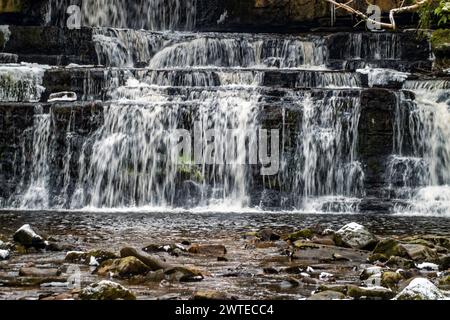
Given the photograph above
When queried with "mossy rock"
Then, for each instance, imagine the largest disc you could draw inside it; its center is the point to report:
(445, 281)
(102, 255)
(370, 293)
(301, 234)
(123, 268)
(183, 274)
(391, 279)
(389, 248)
(84, 257)
(440, 40)
(328, 295)
(106, 290)
(399, 262)
(303, 245)
(10, 6)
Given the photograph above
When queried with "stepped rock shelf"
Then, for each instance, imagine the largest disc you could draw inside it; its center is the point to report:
(340, 100)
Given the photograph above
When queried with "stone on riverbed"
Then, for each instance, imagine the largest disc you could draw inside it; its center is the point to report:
(4, 254)
(356, 236)
(420, 289)
(152, 263)
(37, 272)
(302, 234)
(85, 257)
(123, 268)
(370, 293)
(444, 263)
(183, 274)
(106, 290)
(327, 295)
(268, 235)
(27, 237)
(210, 295)
(391, 279)
(390, 248)
(210, 250)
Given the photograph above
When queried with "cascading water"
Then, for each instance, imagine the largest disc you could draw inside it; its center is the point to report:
(420, 177)
(327, 172)
(136, 14)
(153, 83)
(36, 195)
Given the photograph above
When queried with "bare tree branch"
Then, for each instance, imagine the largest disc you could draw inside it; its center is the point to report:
(392, 13)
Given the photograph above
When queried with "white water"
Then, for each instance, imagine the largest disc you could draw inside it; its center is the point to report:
(36, 194)
(427, 172)
(21, 82)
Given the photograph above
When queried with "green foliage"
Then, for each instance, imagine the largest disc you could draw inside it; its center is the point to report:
(443, 12)
(435, 12)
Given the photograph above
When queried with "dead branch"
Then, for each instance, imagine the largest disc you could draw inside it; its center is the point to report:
(392, 13)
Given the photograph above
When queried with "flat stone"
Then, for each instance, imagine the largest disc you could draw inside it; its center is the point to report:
(328, 295)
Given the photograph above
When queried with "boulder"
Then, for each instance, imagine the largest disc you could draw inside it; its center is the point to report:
(371, 271)
(420, 289)
(268, 235)
(37, 272)
(85, 257)
(4, 254)
(302, 234)
(210, 250)
(152, 263)
(391, 279)
(418, 252)
(106, 290)
(445, 281)
(444, 263)
(370, 293)
(400, 263)
(388, 248)
(183, 274)
(123, 268)
(27, 237)
(327, 295)
(356, 236)
(210, 295)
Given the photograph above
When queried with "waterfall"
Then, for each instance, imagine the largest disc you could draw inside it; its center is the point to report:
(327, 175)
(36, 195)
(425, 169)
(21, 82)
(140, 14)
(129, 161)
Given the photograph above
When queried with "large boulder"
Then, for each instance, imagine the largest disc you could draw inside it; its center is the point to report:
(28, 238)
(390, 248)
(123, 268)
(420, 289)
(356, 236)
(106, 290)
